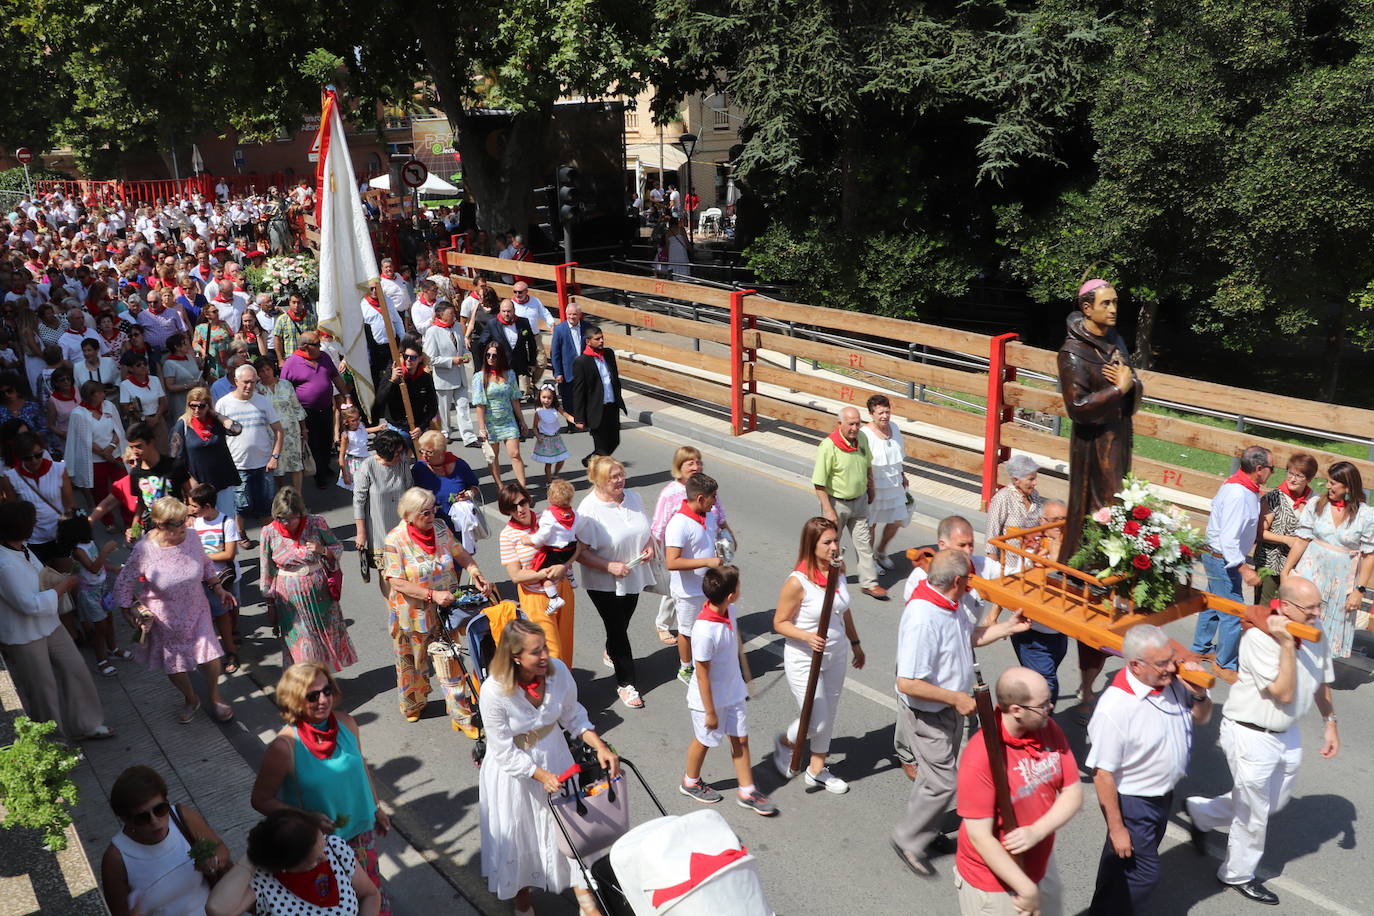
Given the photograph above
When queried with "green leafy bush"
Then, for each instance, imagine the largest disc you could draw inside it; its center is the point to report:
(35, 782)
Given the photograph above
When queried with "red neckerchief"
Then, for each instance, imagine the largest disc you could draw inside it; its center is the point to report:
(43, 469)
(441, 324)
(96, 412)
(450, 461)
(1298, 502)
(531, 689)
(1333, 503)
(687, 510)
(293, 534)
(390, 276)
(375, 303)
(519, 527)
(502, 318)
(142, 349)
(1121, 683)
(111, 337)
(812, 574)
(202, 429)
(220, 297)
(419, 371)
(842, 443)
(711, 614)
(205, 272)
(598, 354)
(177, 356)
(924, 592)
(424, 540)
(142, 384)
(1274, 606)
(316, 886)
(249, 336)
(564, 516)
(1244, 480)
(72, 397)
(319, 741)
(303, 355)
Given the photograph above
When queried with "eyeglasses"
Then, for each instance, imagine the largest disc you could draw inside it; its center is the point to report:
(36, 456)
(424, 512)
(520, 503)
(313, 696)
(1159, 666)
(1043, 708)
(144, 818)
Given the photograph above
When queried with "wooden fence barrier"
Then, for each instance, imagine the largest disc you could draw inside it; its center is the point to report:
(964, 441)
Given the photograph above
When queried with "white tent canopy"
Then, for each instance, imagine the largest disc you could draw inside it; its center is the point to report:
(433, 185)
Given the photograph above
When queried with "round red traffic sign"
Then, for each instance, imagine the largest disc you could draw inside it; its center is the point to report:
(24, 155)
(414, 173)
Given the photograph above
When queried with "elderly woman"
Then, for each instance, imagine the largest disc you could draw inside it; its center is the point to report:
(199, 440)
(443, 473)
(615, 567)
(148, 868)
(518, 557)
(797, 619)
(45, 483)
(298, 550)
(1015, 506)
(377, 487)
(52, 679)
(887, 511)
(315, 765)
(1280, 510)
(527, 703)
(421, 566)
(686, 462)
(95, 443)
(292, 868)
(292, 417)
(500, 421)
(14, 404)
(1334, 549)
(177, 633)
(212, 341)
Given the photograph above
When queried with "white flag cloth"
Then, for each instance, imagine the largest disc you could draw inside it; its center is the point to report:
(347, 262)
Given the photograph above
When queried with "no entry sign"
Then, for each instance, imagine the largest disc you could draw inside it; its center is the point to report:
(414, 173)
(24, 155)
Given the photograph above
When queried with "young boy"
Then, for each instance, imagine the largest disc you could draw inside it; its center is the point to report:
(556, 538)
(689, 543)
(219, 536)
(716, 695)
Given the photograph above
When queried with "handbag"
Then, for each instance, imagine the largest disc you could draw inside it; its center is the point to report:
(307, 460)
(334, 576)
(593, 816)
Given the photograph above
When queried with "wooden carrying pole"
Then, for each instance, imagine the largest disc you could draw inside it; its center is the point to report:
(395, 362)
(991, 727)
(832, 582)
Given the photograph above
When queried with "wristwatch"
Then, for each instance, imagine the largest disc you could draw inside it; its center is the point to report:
(1362, 589)
(1331, 718)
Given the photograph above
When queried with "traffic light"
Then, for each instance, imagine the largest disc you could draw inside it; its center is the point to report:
(569, 198)
(546, 205)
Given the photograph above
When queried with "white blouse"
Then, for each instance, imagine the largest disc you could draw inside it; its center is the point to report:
(84, 433)
(616, 534)
(147, 397)
(26, 611)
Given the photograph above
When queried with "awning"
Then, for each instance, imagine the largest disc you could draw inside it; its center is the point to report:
(648, 155)
(433, 184)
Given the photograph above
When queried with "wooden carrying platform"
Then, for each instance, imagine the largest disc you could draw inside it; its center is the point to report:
(1080, 605)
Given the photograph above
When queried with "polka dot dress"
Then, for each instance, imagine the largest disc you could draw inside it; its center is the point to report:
(275, 900)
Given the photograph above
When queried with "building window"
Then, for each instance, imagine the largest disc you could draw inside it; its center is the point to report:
(720, 112)
(631, 119)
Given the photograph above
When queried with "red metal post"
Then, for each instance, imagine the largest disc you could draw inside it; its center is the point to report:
(737, 358)
(563, 283)
(998, 413)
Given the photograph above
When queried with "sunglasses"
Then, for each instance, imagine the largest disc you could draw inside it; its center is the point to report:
(313, 696)
(521, 502)
(144, 818)
(410, 357)
(197, 405)
(36, 456)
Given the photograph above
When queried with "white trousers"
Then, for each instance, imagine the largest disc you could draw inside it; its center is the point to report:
(451, 400)
(1263, 766)
(666, 619)
(796, 663)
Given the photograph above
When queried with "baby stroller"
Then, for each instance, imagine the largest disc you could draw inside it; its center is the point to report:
(692, 865)
(463, 648)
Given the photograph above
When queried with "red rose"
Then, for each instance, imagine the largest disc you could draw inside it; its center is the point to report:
(1141, 561)
(1131, 529)
(1185, 550)
(1140, 512)
(1152, 540)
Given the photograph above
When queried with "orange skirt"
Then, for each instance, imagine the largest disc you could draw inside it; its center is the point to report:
(558, 626)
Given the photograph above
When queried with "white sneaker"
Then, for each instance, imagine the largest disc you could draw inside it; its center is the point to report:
(883, 561)
(826, 780)
(554, 604)
(782, 757)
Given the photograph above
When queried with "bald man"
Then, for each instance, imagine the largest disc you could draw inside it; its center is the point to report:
(843, 478)
(1277, 683)
(1043, 777)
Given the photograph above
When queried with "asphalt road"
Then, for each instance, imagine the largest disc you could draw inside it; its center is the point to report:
(823, 853)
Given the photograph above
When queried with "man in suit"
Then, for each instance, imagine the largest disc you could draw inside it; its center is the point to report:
(515, 336)
(567, 347)
(596, 401)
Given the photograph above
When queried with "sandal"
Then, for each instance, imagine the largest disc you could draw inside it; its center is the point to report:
(122, 654)
(106, 668)
(97, 733)
(667, 638)
(188, 712)
(231, 663)
(223, 712)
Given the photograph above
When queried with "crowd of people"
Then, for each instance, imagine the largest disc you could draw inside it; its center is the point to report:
(201, 412)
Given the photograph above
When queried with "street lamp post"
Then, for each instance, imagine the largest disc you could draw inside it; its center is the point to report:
(688, 142)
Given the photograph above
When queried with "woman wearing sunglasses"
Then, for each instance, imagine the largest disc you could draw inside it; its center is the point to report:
(147, 868)
(198, 441)
(419, 384)
(315, 765)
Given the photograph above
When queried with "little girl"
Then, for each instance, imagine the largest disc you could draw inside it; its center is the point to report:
(557, 538)
(549, 418)
(353, 443)
(93, 592)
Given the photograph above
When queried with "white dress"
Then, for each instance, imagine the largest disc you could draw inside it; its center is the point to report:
(889, 497)
(519, 837)
(163, 880)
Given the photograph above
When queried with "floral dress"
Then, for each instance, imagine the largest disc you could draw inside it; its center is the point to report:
(291, 413)
(1331, 566)
(296, 581)
(496, 396)
(182, 635)
(1008, 509)
(214, 342)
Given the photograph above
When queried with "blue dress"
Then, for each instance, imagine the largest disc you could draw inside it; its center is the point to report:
(1331, 566)
(496, 398)
(447, 489)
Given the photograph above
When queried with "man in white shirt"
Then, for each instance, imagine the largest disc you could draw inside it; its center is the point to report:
(256, 450)
(529, 307)
(448, 356)
(1231, 531)
(378, 342)
(1278, 683)
(395, 289)
(268, 313)
(422, 309)
(70, 341)
(222, 191)
(1140, 735)
(938, 631)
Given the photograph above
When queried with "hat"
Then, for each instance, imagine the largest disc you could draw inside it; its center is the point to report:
(1022, 466)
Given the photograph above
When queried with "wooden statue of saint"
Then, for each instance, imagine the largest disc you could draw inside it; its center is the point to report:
(1101, 393)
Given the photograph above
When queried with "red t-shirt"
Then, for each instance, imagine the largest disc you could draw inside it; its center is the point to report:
(1038, 767)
